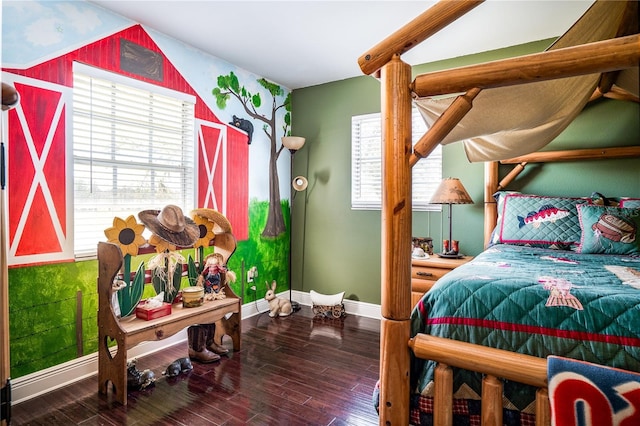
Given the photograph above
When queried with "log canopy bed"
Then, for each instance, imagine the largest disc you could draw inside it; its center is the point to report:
(591, 62)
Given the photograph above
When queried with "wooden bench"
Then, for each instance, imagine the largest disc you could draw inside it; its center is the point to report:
(128, 332)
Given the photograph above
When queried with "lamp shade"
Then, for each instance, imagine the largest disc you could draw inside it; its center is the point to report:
(293, 143)
(300, 183)
(451, 191)
(10, 97)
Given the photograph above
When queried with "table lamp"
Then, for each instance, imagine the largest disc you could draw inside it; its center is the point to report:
(451, 191)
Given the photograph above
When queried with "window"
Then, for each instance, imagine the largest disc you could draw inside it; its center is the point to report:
(366, 165)
(133, 150)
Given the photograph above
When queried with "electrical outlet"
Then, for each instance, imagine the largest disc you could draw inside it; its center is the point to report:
(252, 273)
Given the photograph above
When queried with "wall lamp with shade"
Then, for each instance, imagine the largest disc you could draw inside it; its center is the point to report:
(450, 191)
(299, 183)
(10, 99)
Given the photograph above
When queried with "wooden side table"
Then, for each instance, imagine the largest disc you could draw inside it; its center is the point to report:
(425, 272)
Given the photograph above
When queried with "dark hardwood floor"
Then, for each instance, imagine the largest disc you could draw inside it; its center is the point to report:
(297, 370)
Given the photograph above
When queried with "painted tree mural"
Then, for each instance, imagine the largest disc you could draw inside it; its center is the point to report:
(229, 86)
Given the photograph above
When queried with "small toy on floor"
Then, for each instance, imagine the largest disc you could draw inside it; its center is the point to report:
(278, 306)
(139, 380)
(180, 365)
(327, 305)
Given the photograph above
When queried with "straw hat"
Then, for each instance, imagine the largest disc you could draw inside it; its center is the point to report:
(224, 240)
(225, 244)
(171, 225)
(220, 223)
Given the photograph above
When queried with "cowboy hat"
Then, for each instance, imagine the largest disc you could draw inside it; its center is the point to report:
(220, 223)
(225, 244)
(171, 225)
(224, 240)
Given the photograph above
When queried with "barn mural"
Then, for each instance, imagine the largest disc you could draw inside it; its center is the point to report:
(233, 164)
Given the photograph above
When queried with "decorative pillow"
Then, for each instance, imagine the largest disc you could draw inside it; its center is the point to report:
(600, 200)
(630, 202)
(539, 221)
(499, 197)
(609, 230)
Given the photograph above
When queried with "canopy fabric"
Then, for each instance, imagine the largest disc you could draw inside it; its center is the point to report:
(510, 121)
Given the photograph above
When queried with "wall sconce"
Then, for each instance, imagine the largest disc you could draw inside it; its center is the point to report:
(451, 191)
(10, 97)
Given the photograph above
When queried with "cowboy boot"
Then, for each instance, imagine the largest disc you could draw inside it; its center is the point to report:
(211, 344)
(197, 345)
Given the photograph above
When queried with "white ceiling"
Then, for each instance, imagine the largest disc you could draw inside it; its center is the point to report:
(301, 43)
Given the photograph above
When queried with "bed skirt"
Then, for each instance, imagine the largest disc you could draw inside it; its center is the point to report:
(465, 412)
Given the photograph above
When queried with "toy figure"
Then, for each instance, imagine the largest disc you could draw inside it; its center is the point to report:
(139, 380)
(180, 365)
(213, 276)
(278, 306)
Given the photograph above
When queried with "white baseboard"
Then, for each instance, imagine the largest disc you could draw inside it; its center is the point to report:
(361, 309)
(43, 381)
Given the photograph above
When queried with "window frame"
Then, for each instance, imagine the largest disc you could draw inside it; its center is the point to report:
(420, 203)
(187, 163)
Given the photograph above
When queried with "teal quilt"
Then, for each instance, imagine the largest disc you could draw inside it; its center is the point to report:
(539, 302)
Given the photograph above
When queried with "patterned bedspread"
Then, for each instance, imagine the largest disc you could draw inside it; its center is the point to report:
(539, 302)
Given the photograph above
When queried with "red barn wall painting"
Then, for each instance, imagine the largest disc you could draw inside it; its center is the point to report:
(39, 134)
(38, 202)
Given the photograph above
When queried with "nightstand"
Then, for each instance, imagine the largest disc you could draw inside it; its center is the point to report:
(425, 272)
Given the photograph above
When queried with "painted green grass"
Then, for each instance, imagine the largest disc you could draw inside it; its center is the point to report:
(42, 314)
(43, 299)
(269, 255)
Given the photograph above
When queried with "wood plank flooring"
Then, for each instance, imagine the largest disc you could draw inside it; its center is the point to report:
(297, 370)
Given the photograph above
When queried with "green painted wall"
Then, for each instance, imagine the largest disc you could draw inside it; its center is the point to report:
(338, 249)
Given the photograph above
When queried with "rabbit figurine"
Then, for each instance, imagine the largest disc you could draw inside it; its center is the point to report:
(277, 305)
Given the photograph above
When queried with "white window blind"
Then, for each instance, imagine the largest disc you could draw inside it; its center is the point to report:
(366, 165)
(133, 150)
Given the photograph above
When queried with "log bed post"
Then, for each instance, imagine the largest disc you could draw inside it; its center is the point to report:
(396, 247)
(604, 56)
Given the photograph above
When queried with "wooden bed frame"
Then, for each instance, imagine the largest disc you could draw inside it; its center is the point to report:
(383, 61)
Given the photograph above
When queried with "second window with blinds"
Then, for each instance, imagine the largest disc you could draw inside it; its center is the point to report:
(366, 165)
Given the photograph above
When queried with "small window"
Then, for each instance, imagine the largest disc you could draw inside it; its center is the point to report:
(366, 165)
(133, 150)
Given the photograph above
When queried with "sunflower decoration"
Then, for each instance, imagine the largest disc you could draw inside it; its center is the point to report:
(206, 231)
(160, 244)
(127, 234)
